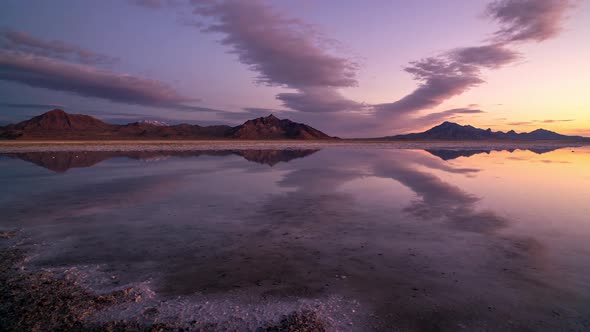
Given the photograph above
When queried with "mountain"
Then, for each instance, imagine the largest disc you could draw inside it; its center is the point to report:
(272, 127)
(57, 124)
(154, 122)
(450, 131)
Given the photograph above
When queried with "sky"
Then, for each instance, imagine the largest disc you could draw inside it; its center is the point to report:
(350, 68)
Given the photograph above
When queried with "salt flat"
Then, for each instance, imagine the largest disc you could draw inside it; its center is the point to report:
(168, 145)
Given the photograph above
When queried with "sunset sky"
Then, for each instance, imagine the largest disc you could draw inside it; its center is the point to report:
(349, 67)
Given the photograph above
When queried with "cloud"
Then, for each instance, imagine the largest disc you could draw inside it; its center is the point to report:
(533, 122)
(31, 106)
(283, 51)
(554, 121)
(155, 4)
(438, 117)
(446, 76)
(87, 81)
(318, 99)
(22, 41)
(440, 80)
(454, 72)
(521, 123)
(528, 20)
(489, 56)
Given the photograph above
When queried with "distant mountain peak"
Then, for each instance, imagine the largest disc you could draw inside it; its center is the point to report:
(449, 124)
(154, 123)
(271, 127)
(455, 132)
(56, 111)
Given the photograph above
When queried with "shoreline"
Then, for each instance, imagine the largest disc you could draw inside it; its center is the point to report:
(43, 300)
(189, 145)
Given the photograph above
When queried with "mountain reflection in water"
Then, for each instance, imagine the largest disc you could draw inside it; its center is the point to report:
(449, 154)
(62, 161)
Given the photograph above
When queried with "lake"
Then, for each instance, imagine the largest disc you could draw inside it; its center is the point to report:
(365, 237)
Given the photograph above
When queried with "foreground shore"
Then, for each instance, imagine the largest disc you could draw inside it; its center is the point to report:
(45, 301)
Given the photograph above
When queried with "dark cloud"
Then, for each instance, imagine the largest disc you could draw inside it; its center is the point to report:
(528, 20)
(446, 76)
(283, 51)
(488, 56)
(157, 4)
(31, 106)
(319, 99)
(22, 41)
(440, 80)
(87, 81)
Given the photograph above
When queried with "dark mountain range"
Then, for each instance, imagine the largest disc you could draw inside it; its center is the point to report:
(455, 132)
(272, 127)
(64, 160)
(59, 125)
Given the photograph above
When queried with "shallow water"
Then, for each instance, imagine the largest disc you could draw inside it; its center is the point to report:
(419, 240)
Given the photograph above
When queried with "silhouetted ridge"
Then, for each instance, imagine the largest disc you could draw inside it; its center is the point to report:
(57, 124)
(271, 127)
(456, 132)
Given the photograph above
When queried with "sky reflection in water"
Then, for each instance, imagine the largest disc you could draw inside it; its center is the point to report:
(439, 235)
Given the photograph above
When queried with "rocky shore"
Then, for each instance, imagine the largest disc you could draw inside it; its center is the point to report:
(43, 301)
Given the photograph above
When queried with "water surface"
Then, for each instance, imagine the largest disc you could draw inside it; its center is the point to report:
(370, 238)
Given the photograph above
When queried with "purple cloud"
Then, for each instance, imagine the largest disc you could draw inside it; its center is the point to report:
(448, 75)
(318, 99)
(22, 41)
(43, 72)
(528, 20)
(441, 78)
(489, 56)
(31, 106)
(452, 73)
(283, 51)
(437, 117)
(280, 49)
(155, 4)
